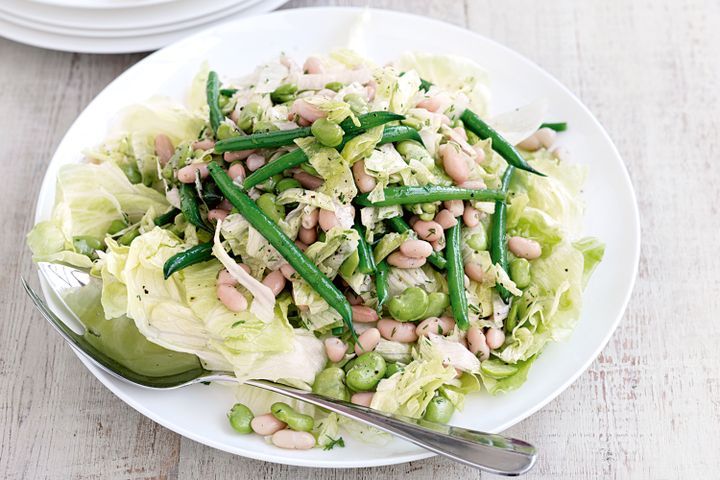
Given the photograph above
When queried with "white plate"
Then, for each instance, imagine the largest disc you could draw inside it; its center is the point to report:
(105, 4)
(138, 17)
(140, 43)
(92, 33)
(611, 208)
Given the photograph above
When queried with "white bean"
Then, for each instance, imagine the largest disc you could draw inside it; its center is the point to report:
(275, 281)
(292, 440)
(397, 331)
(397, 259)
(187, 173)
(307, 111)
(438, 245)
(363, 314)
(217, 214)
(438, 326)
(327, 220)
(546, 136)
(236, 171)
(416, 248)
(461, 132)
(474, 271)
(310, 220)
(430, 231)
(476, 343)
(362, 398)
(530, 144)
(480, 157)
(163, 148)
(224, 278)
(494, 338)
(231, 298)
(365, 182)
(239, 155)
(524, 248)
(310, 182)
(445, 219)
(456, 207)
(288, 271)
(307, 235)
(302, 246)
(455, 162)
(225, 204)
(313, 65)
(266, 424)
(471, 217)
(353, 298)
(367, 341)
(255, 161)
(205, 144)
(335, 349)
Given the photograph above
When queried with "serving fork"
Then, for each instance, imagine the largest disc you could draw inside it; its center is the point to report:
(488, 452)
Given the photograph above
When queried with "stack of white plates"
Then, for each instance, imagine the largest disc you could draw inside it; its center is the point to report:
(117, 26)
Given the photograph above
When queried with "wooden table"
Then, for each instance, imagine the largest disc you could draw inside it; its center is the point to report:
(649, 407)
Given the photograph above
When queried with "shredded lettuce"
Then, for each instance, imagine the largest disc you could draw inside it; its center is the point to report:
(332, 167)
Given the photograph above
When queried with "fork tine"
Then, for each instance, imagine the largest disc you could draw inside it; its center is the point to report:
(100, 359)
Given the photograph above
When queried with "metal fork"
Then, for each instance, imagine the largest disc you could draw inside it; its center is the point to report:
(489, 452)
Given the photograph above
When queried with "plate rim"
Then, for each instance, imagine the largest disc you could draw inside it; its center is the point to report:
(581, 369)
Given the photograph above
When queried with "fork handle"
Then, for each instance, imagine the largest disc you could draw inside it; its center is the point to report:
(485, 451)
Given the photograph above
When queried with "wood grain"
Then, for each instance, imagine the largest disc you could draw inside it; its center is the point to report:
(648, 408)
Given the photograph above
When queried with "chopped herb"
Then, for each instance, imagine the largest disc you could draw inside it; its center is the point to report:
(334, 442)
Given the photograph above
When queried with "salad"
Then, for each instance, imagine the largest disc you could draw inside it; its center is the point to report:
(368, 232)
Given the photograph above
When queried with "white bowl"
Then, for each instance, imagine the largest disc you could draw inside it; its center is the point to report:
(199, 412)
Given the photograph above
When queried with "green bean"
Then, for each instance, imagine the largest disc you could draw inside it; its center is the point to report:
(439, 410)
(398, 225)
(400, 133)
(367, 260)
(406, 195)
(282, 138)
(520, 272)
(116, 226)
(212, 90)
(381, 284)
(498, 242)
(456, 277)
(298, 157)
(366, 372)
(295, 420)
(240, 417)
(268, 204)
(190, 207)
(286, 247)
(327, 132)
(279, 138)
(437, 303)
(368, 121)
(286, 184)
(191, 256)
(166, 217)
(331, 383)
(228, 92)
(284, 93)
(558, 127)
(499, 144)
(409, 306)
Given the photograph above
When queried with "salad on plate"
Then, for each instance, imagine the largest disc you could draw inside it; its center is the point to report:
(368, 232)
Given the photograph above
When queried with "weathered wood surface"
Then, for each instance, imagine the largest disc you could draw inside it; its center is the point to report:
(649, 407)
